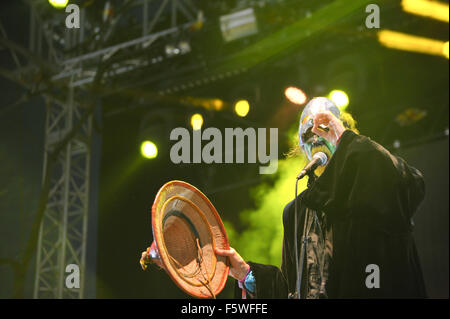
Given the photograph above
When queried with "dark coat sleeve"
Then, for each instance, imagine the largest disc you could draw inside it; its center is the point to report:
(364, 180)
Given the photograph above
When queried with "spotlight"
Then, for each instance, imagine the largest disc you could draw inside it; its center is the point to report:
(445, 49)
(410, 116)
(149, 149)
(242, 107)
(184, 47)
(170, 50)
(431, 9)
(196, 121)
(58, 4)
(340, 98)
(295, 95)
(401, 41)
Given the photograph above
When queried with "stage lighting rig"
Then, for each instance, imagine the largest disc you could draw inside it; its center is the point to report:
(182, 47)
(238, 24)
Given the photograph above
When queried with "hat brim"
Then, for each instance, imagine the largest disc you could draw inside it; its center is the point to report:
(199, 219)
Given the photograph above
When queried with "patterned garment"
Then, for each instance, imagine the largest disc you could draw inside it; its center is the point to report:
(319, 254)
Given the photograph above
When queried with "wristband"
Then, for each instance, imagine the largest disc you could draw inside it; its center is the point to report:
(249, 283)
(242, 281)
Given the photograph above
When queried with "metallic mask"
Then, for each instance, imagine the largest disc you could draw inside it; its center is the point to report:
(308, 141)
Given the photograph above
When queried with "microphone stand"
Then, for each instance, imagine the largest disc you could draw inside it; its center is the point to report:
(311, 179)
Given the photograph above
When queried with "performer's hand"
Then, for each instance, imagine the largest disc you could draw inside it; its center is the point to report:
(335, 126)
(145, 259)
(238, 266)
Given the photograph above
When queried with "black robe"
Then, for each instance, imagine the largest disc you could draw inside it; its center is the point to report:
(368, 196)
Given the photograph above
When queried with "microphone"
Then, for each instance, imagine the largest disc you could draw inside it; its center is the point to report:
(319, 159)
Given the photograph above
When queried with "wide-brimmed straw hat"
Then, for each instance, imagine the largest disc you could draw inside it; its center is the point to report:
(186, 229)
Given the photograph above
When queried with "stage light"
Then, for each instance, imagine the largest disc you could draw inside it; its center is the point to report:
(401, 41)
(58, 4)
(431, 9)
(295, 95)
(238, 24)
(196, 121)
(149, 149)
(340, 98)
(184, 47)
(217, 104)
(445, 49)
(170, 50)
(410, 116)
(242, 107)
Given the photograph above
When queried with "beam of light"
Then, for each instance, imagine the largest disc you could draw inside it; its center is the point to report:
(196, 121)
(430, 9)
(295, 95)
(149, 149)
(406, 42)
(445, 49)
(340, 98)
(58, 4)
(242, 107)
(115, 183)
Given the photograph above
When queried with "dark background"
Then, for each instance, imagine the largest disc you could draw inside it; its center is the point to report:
(381, 83)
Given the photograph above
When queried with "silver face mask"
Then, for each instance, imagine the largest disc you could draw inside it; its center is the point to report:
(308, 141)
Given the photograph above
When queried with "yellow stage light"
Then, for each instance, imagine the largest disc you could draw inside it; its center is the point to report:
(242, 107)
(401, 41)
(58, 4)
(196, 121)
(295, 95)
(445, 49)
(217, 104)
(340, 98)
(149, 149)
(431, 9)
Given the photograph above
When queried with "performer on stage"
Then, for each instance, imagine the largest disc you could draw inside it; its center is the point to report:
(357, 240)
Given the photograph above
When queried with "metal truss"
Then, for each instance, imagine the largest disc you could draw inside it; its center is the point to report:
(63, 231)
(182, 14)
(67, 154)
